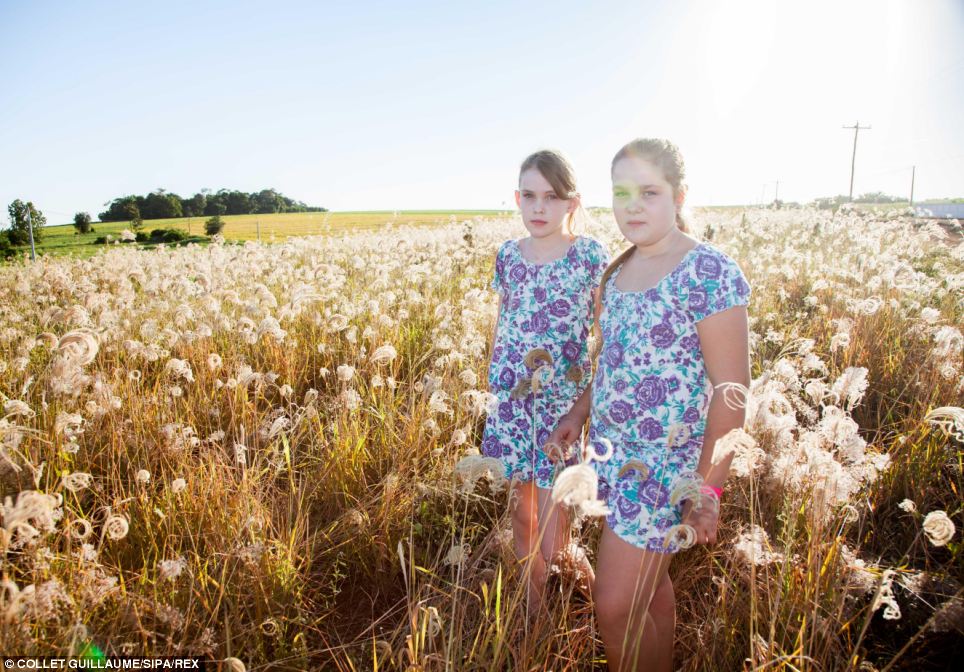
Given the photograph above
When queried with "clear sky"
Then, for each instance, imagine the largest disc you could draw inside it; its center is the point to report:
(407, 105)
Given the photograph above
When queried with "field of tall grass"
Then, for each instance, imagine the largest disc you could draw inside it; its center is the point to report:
(268, 455)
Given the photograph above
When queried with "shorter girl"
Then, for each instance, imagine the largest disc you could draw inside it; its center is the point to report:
(540, 363)
(674, 326)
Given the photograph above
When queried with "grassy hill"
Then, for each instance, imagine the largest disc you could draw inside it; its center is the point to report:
(63, 239)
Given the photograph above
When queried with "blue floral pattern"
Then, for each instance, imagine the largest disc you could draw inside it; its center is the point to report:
(651, 393)
(545, 306)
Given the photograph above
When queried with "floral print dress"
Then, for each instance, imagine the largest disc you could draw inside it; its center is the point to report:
(651, 394)
(548, 307)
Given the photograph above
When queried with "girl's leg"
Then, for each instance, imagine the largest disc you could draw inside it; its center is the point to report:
(635, 635)
(663, 611)
(556, 534)
(525, 533)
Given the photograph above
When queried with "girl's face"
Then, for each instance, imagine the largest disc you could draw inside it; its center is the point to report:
(643, 201)
(543, 212)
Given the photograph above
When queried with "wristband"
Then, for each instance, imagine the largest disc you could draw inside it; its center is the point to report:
(707, 489)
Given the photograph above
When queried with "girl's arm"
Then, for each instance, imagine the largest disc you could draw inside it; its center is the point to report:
(724, 341)
(569, 429)
(726, 355)
(579, 412)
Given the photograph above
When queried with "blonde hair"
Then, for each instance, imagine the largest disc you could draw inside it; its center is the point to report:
(558, 172)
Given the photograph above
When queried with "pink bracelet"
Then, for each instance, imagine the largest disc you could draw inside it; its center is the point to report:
(712, 488)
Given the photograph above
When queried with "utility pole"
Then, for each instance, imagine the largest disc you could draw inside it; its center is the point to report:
(853, 161)
(913, 170)
(33, 251)
(776, 194)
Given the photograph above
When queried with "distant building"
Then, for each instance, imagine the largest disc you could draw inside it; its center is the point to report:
(943, 210)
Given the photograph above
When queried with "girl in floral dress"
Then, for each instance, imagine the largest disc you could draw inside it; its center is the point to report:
(540, 363)
(674, 327)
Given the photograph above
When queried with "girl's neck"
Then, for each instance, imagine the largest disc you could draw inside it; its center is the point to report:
(547, 248)
(553, 241)
(671, 242)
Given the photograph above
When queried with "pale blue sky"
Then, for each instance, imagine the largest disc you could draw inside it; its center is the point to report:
(405, 105)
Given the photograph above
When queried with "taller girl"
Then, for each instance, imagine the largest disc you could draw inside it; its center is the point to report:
(540, 361)
(674, 326)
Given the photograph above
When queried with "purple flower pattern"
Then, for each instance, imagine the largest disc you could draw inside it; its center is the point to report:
(650, 377)
(651, 392)
(550, 307)
(651, 429)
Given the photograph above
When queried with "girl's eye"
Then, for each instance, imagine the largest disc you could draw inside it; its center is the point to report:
(550, 197)
(620, 193)
(649, 193)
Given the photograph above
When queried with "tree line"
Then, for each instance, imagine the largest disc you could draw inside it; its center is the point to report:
(159, 204)
(163, 204)
(877, 197)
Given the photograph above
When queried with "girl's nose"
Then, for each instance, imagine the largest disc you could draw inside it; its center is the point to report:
(634, 205)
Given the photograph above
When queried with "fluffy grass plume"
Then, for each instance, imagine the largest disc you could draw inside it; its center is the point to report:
(248, 453)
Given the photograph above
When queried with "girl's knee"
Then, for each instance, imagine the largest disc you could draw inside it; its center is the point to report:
(664, 600)
(554, 546)
(613, 602)
(524, 509)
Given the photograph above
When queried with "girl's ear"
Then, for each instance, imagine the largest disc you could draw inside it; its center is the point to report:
(681, 196)
(518, 199)
(574, 203)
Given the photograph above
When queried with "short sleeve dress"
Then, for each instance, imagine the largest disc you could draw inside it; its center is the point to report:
(547, 306)
(651, 394)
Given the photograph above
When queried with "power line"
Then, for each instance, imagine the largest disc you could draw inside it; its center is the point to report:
(925, 163)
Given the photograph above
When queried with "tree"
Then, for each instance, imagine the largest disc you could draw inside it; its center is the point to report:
(877, 197)
(5, 250)
(194, 206)
(82, 222)
(239, 203)
(214, 225)
(267, 201)
(19, 233)
(161, 205)
(121, 210)
(133, 213)
(216, 204)
(831, 202)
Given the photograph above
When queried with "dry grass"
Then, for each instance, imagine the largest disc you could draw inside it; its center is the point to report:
(319, 503)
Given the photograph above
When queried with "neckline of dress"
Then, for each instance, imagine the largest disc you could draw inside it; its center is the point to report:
(569, 249)
(673, 272)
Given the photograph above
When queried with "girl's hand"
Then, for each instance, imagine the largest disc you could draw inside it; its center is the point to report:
(704, 520)
(565, 434)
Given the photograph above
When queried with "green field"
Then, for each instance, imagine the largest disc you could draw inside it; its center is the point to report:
(63, 239)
